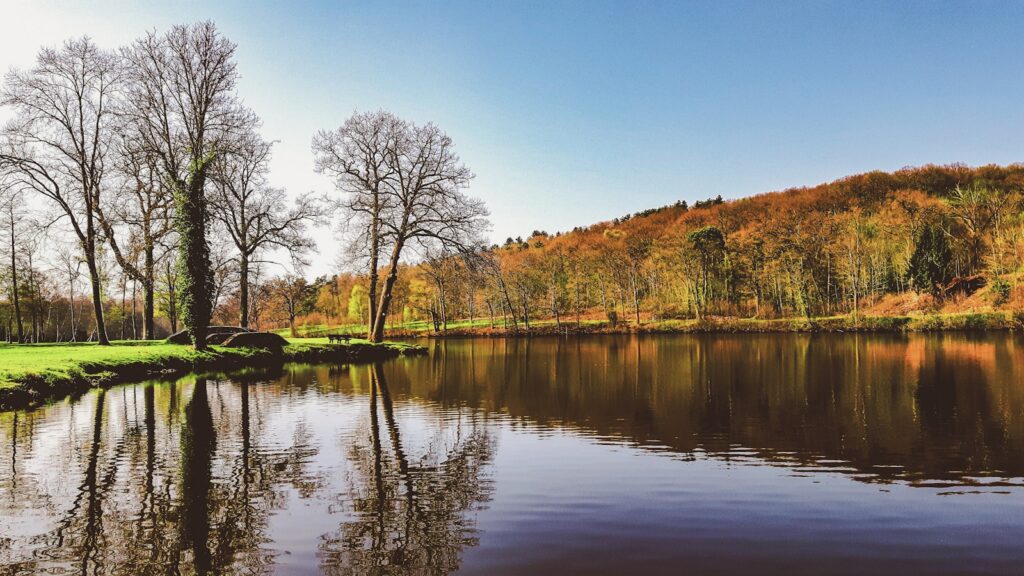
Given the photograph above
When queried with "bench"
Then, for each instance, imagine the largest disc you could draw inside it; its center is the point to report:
(337, 338)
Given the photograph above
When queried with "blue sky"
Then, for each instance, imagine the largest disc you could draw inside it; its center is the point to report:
(575, 112)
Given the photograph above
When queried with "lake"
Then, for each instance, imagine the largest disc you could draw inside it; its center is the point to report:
(717, 454)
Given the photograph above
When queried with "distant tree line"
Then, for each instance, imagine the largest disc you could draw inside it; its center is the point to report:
(919, 238)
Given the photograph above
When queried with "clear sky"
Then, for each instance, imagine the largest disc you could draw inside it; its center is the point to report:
(576, 112)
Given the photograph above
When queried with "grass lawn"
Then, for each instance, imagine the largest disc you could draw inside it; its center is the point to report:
(48, 369)
(72, 359)
(990, 320)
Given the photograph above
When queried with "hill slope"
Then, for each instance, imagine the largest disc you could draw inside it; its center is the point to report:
(927, 240)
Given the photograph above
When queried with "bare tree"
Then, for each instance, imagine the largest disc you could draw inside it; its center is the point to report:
(10, 202)
(356, 156)
(145, 214)
(182, 99)
(58, 141)
(404, 183)
(426, 205)
(69, 263)
(256, 215)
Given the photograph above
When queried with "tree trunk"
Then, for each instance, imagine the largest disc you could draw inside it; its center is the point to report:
(554, 308)
(194, 255)
(377, 334)
(526, 312)
(135, 309)
(243, 291)
(97, 296)
(124, 303)
(74, 328)
(172, 300)
(374, 265)
(14, 294)
(508, 303)
(577, 303)
(636, 296)
(443, 306)
(149, 305)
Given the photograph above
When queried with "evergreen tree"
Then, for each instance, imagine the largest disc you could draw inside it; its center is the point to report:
(929, 265)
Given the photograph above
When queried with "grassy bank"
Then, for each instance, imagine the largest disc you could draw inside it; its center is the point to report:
(34, 373)
(992, 320)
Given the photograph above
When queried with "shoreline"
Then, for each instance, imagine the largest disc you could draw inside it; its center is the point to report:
(33, 388)
(971, 321)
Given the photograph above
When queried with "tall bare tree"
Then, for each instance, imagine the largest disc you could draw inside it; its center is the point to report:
(256, 215)
(405, 185)
(182, 98)
(10, 209)
(356, 156)
(426, 205)
(145, 215)
(58, 141)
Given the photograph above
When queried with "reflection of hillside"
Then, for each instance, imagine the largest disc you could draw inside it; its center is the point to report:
(918, 407)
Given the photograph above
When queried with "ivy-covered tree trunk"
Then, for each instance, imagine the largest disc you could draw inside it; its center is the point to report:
(243, 291)
(195, 274)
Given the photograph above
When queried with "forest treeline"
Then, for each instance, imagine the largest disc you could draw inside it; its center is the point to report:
(925, 239)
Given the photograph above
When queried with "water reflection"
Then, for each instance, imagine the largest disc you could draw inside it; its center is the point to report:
(921, 408)
(409, 515)
(393, 468)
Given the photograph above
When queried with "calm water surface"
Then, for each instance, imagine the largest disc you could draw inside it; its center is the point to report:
(600, 455)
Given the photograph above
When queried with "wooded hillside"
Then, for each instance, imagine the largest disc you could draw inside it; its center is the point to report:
(927, 239)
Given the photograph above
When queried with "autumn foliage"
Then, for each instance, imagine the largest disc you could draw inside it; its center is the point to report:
(918, 239)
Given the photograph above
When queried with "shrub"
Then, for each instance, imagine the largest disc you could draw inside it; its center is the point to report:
(1001, 289)
(1018, 318)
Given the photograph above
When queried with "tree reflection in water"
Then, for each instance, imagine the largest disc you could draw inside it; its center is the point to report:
(381, 468)
(410, 517)
(155, 495)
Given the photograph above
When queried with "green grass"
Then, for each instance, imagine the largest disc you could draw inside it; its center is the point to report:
(297, 345)
(847, 323)
(307, 331)
(17, 362)
(36, 372)
(839, 323)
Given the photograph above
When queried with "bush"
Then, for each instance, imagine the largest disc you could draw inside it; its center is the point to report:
(980, 321)
(1001, 289)
(613, 318)
(885, 323)
(1018, 318)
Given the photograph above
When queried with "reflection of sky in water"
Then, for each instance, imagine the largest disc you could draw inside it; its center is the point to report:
(797, 454)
